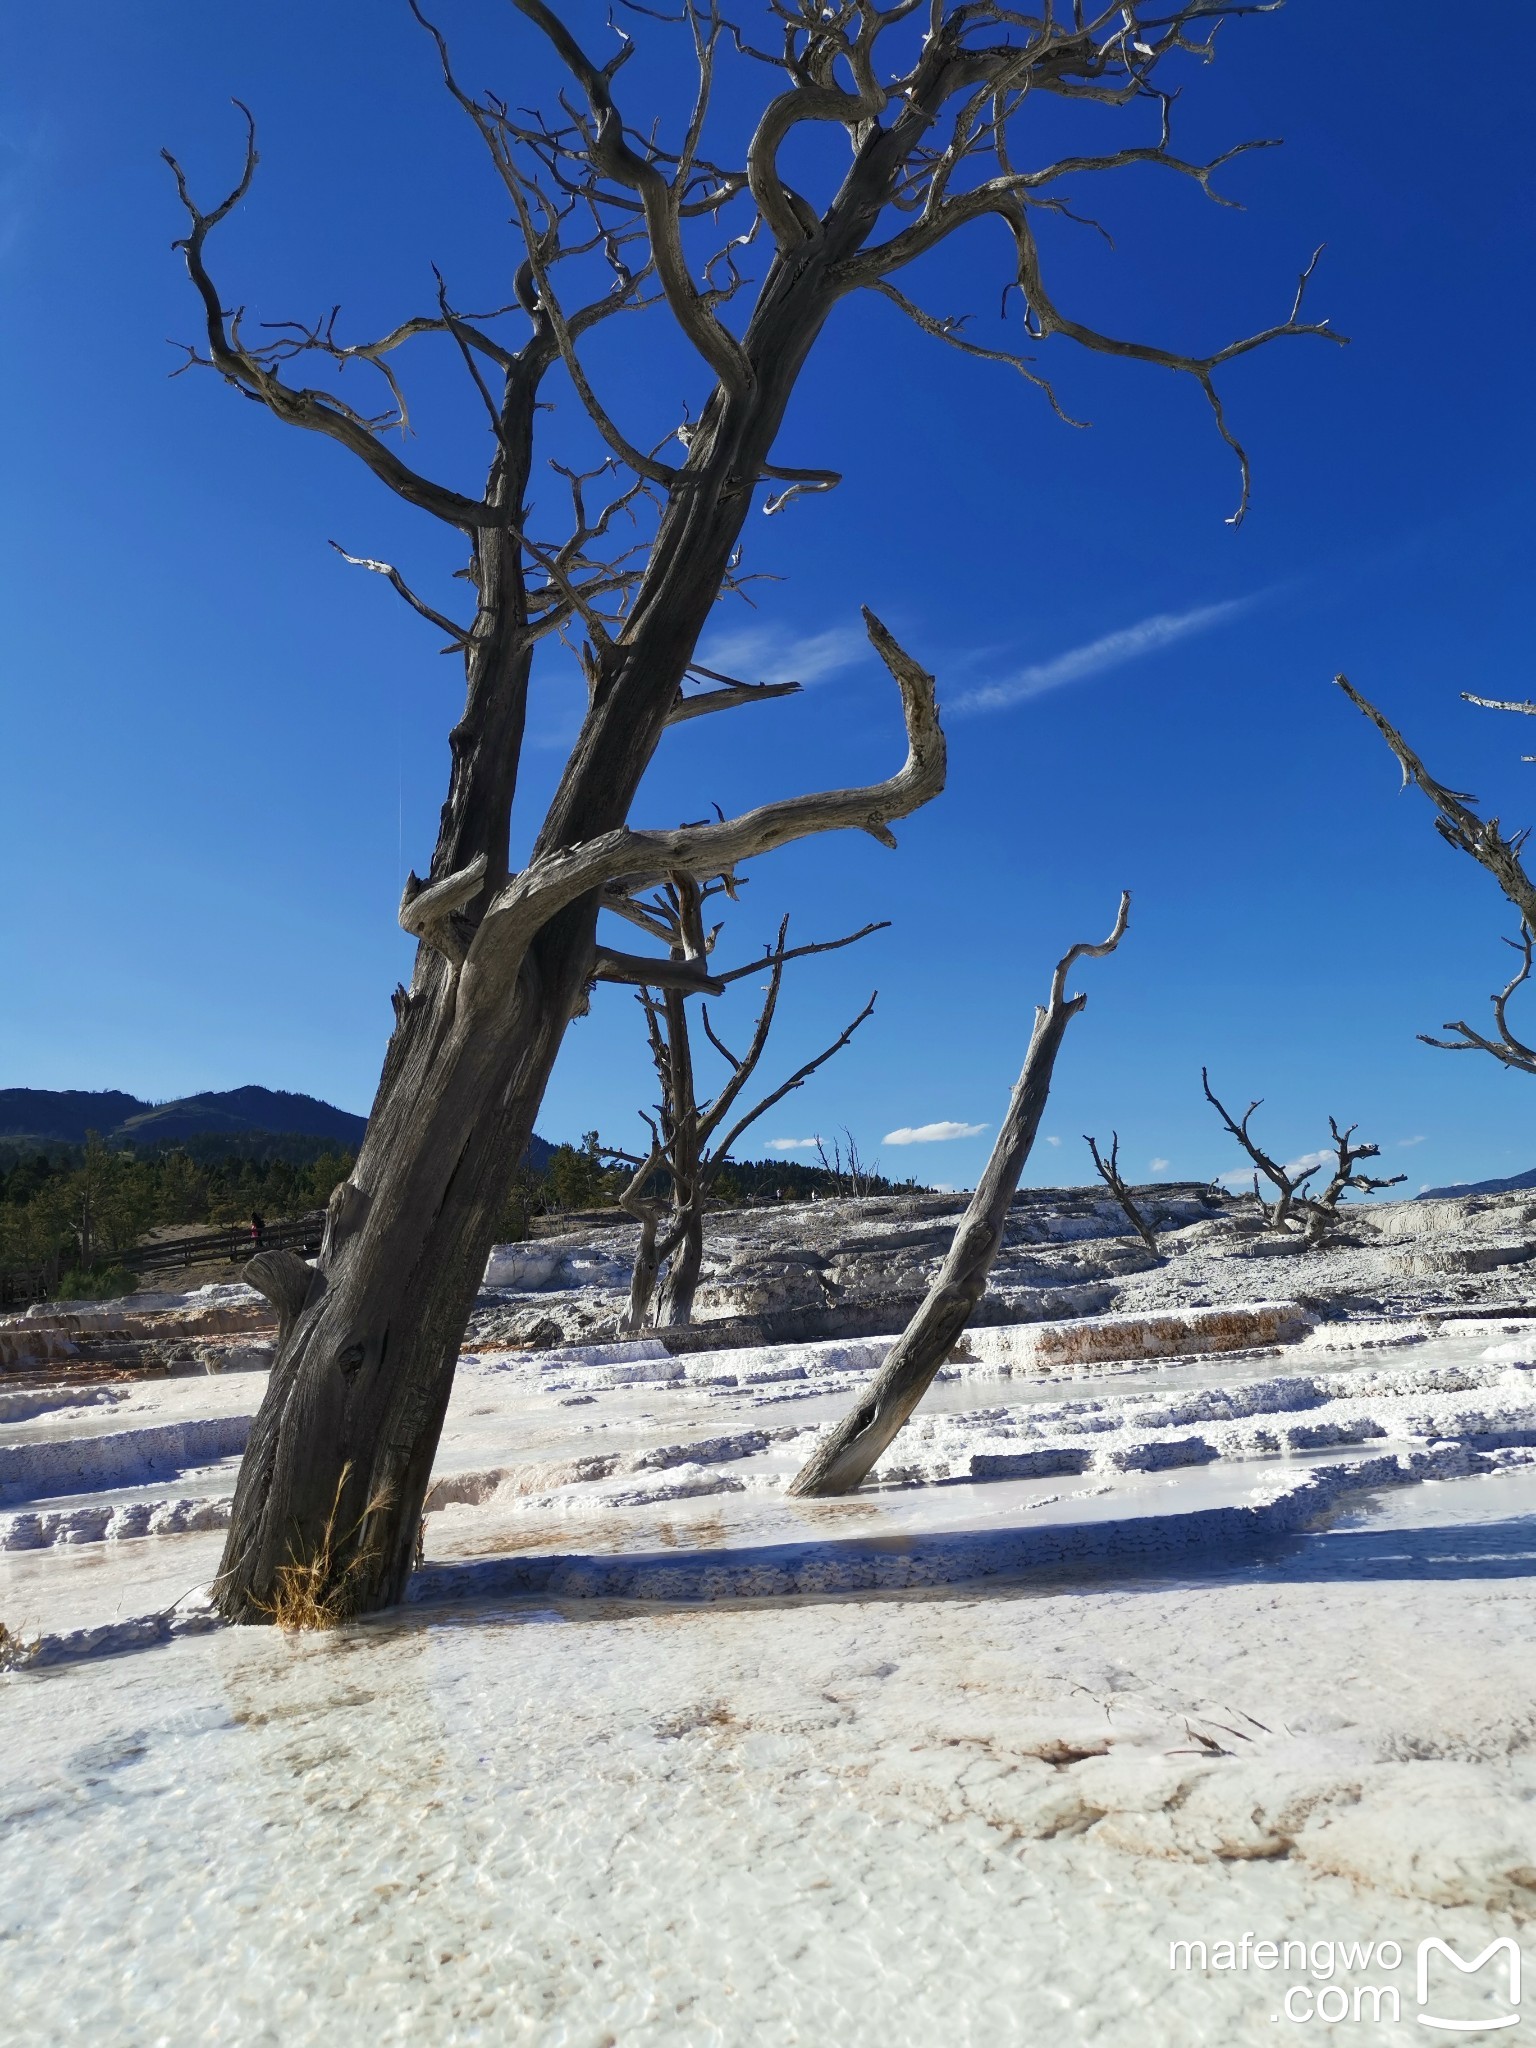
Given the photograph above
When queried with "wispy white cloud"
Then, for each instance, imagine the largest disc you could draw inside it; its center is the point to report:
(763, 654)
(1404, 1143)
(791, 1144)
(931, 1134)
(1158, 1165)
(755, 653)
(1307, 1162)
(1242, 1176)
(1112, 650)
(1053, 1141)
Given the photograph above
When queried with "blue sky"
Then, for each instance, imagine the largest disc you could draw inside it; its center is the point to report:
(224, 747)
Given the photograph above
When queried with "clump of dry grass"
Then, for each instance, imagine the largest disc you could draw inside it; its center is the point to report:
(13, 1648)
(309, 1592)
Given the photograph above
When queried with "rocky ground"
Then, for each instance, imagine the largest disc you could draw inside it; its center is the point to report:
(1196, 1603)
(827, 1269)
(796, 1272)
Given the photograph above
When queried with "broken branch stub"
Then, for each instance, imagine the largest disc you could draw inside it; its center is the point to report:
(285, 1279)
(845, 1457)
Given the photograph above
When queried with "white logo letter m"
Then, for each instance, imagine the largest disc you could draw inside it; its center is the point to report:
(1503, 1946)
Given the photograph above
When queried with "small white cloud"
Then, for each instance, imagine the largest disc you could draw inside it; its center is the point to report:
(764, 654)
(1053, 1141)
(791, 1144)
(1158, 1165)
(1404, 1143)
(1424, 1190)
(931, 1134)
(1307, 1162)
(1112, 650)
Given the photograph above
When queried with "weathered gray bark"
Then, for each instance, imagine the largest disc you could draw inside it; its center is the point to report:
(1501, 853)
(342, 1449)
(845, 1457)
(350, 1422)
(684, 1269)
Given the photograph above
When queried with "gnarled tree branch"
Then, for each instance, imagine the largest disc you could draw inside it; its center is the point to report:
(636, 857)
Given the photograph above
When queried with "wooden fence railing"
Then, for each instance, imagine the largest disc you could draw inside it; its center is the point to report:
(230, 1244)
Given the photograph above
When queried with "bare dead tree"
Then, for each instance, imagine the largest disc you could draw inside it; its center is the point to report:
(1289, 1186)
(1292, 1199)
(1323, 1210)
(708, 231)
(1501, 853)
(687, 1146)
(1108, 1171)
(848, 1453)
(850, 1175)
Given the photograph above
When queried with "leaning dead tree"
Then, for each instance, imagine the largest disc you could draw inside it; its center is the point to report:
(691, 1140)
(1293, 1199)
(1501, 853)
(848, 1453)
(1109, 1172)
(744, 241)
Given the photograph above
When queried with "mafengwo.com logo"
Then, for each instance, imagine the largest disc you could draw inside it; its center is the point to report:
(1343, 1983)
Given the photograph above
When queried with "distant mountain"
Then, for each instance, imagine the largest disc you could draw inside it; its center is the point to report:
(1511, 1186)
(240, 1109)
(64, 1116)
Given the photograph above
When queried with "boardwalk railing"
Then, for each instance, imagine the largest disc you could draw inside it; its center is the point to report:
(230, 1244)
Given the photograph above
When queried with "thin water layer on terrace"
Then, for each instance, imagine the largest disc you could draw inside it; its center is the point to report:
(884, 1819)
(1002, 1475)
(83, 1585)
(141, 1402)
(887, 1822)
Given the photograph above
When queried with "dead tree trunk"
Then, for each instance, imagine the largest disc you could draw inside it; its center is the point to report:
(747, 270)
(1323, 1210)
(685, 1133)
(685, 1265)
(845, 1457)
(1109, 1172)
(647, 1213)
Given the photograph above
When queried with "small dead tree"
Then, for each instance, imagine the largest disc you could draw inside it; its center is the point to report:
(1323, 1210)
(687, 1146)
(1500, 852)
(849, 1172)
(1289, 1184)
(847, 1454)
(730, 226)
(1292, 1200)
(1108, 1171)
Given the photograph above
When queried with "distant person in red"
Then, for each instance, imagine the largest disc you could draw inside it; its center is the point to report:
(258, 1230)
